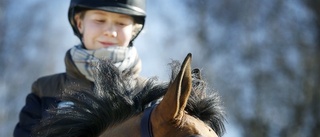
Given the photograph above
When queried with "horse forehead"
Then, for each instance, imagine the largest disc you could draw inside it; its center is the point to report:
(198, 126)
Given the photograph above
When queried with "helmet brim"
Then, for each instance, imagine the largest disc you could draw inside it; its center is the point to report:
(136, 13)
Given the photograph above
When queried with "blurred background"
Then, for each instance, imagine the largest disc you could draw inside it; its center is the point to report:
(263, 57)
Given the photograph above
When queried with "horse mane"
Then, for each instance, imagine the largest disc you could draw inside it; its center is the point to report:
(116, 99)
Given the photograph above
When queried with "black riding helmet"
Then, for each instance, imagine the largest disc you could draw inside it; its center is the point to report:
(134, 8)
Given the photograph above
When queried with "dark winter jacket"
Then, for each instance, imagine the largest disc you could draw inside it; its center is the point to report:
(45, 94)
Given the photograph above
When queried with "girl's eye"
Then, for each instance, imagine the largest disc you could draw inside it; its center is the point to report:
(100, 20)
(121, 24)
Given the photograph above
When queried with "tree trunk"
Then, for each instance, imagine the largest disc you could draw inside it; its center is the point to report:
(314, 5)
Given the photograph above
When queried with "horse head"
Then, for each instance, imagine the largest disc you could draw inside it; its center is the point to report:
(170, 118)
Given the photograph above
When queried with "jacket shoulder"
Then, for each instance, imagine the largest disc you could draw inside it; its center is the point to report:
(49, 86)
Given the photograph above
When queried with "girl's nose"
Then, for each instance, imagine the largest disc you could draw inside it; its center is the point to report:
(110, 31)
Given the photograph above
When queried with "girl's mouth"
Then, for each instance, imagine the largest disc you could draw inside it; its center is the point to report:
(107, 44)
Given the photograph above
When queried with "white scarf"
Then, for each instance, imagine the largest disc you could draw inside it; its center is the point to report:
(124, 58)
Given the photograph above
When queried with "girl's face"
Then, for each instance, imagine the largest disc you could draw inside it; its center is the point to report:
(102, 29)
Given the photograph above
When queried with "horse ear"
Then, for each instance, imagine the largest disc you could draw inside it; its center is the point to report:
(175, 100)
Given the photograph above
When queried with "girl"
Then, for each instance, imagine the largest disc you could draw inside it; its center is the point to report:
(106, 29)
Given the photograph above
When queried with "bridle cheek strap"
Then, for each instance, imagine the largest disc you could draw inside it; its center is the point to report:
(145, 125)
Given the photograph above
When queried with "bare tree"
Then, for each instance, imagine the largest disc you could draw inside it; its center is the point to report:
(268, 71)
(26, 52)
(312, 66)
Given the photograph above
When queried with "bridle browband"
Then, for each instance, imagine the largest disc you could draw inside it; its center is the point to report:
(145, 125)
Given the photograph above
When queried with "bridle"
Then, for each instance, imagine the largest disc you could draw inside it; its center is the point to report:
(145, 125)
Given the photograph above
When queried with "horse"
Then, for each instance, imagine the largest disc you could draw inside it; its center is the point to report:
(182, 107)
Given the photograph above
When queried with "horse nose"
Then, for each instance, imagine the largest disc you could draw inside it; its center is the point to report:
(195, 136)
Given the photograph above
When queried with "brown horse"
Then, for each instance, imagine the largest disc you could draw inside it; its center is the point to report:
(118, 110)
